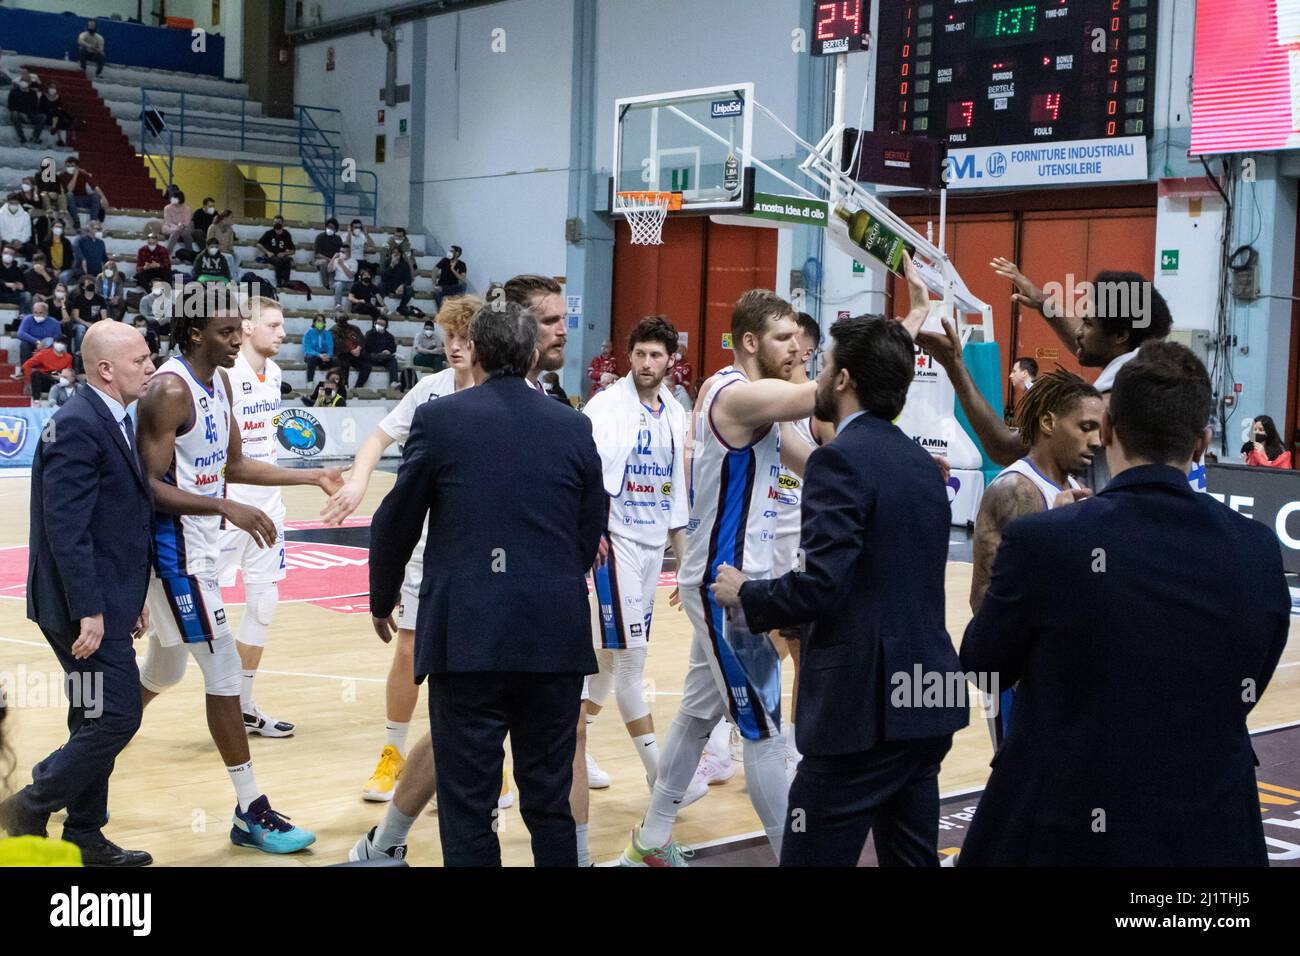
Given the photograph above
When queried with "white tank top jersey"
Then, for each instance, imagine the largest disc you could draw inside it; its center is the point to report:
(397, 423)
(789, 487)
(641, 510)
(1046, 487)
(257, 402)
(733, 498)
(189, 545)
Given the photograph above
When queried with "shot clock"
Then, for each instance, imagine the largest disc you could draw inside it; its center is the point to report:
(1002, 72)
(841, 26)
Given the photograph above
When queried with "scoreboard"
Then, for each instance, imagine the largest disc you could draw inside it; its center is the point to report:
(1002, 72)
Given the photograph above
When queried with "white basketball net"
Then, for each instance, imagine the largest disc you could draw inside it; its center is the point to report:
(645, 217)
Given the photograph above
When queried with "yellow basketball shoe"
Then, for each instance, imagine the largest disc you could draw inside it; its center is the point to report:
(383, 781)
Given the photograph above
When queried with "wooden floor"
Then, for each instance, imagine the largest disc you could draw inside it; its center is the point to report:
(325, 671)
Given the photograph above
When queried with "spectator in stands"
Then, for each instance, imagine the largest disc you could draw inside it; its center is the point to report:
(681, 374)
(64, 388)
(44, 367)
(58, 251)
(317, 348)
(429, 351)
(601, 365)
(399, 241)
(36, 331)
(380, 348)
(347, 345)
(331, 393)
(58, 306)
(328, 244)
(551, 382)
(4, 77)
(345, 273)
(1023, 372)
(84, 194)
(365, 298)
(397, 279)
(39, 280)
(90, 48)
(211, 265)
(89, 254)
(12, 289)
(45, 200)
(112, 286)
(152, 263)
(31, 79)
(86, 308)
(16, 225)
(360, 245)
(1267, 450)
(177, 225)
(150, 336)
(452, 276)
(276, 248)
(223, 230)
(156, 307)
(56, 115)
(203, 219)
(25, 107)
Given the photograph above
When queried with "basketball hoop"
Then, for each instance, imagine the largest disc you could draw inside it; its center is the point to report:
(645, 214)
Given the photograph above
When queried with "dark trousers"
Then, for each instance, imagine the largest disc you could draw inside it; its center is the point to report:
(408, 290)
(35, 120)
(145, 278)
(890, 791)
(367, 361)
(102, 719)
(41, 383)
(469, 717)
(318, 361)
(441, 292)
(283, 266)
(84, 57)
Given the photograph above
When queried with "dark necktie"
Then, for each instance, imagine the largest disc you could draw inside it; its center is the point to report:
(130, 440)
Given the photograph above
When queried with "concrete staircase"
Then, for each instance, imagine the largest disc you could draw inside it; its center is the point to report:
(101, 145)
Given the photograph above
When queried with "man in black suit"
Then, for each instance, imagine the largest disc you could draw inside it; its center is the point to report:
(88, 572)
(1142, 625)
(875, 544)
(504, 630)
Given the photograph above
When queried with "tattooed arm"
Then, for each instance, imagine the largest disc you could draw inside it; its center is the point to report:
(1004, 501)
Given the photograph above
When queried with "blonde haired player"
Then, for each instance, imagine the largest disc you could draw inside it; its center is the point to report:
(402, 693)
(255, 396)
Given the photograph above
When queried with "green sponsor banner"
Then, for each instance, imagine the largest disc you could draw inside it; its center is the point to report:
(796, 209)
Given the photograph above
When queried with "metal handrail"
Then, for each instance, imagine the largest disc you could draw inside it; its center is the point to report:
(164, 137)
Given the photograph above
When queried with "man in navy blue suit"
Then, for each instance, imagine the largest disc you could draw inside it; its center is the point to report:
(88, 572)
(516, 503)
(875, 543)
(1142, 625)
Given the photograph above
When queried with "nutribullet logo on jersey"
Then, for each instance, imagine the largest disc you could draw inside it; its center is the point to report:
(300, 433)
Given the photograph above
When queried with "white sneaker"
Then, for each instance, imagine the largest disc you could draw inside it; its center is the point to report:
(697, 789)
(365, 849)
(597, 779)
(714, 771)
(259, 723)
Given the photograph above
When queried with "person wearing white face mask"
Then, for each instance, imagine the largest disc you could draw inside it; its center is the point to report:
(13, 291)
(84, 194)
(326, 247)
(211, 265)
(177, 226)
(88, 249)
(59, 252)
(152, 262)
(112, 286)
(25, 107)
(15, 224)
(43, 368)
(223, 231)
(203, 218)
(36, 331)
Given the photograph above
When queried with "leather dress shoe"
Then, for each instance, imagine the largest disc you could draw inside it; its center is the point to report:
(17, 820)
(108, 853)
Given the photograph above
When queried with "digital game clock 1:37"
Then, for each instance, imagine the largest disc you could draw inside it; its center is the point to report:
(1003, 72)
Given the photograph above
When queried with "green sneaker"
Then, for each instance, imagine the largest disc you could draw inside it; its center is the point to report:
(671, 854)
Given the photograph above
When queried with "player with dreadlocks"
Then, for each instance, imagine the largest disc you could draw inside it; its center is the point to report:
(1060, 428)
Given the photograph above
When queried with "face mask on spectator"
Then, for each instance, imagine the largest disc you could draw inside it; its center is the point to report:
(209, 209)
(213, 250)
(59, 348)
(157, 290)
(7, 258)
(27, 187)
(109, 270)
(99, 233)
(151, 242)
(22, 84)
(52, 92)
(381, 326)
(142, 328)
(69, 169)
(329, 230)
(176, 200)
(57, 230)
(59, 294)
(319, 325)
(357, 233)
(428, 328)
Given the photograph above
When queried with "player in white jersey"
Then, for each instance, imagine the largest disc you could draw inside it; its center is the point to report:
(789, 499)
(255, 395)
(401, 692)
(640, 432)
(191, 448)
(1060, 425)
